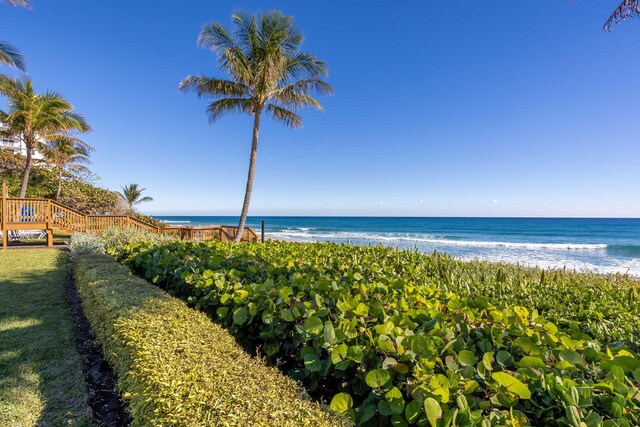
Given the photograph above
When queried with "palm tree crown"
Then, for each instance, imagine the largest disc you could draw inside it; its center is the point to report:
(132, 194)
(36, 118)
(267, 73)
(67, 155)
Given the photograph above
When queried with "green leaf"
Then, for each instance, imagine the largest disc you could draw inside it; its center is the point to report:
(287, 316)
(531, 362)
(433, 410)
(312, 362)
(355, 353)
(361, 310)
(338, 354)
(313, 325)
(572, 357)
(466, 358)
(240, 316)
(527, 346)
(377, 378)
(412, 411)
(395, 399)
(366, 412)
(512, 384)
(440, 387)
(487, 359)
(504, 358)
(329, 333)
(384, 408)
(341, 403)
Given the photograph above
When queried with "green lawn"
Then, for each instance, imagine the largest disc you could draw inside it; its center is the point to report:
(41, 381)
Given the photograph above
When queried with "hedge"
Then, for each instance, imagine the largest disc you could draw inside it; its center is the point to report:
(371, 331)
(176, 367)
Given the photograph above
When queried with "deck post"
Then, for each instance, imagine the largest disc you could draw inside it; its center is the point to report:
(3, 221)
(49, 237)
(262, 231)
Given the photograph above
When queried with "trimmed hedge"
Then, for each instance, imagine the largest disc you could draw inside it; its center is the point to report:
(176, 367)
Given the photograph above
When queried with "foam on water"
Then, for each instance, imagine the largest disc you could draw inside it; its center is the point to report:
(580, 257)
(603, 245)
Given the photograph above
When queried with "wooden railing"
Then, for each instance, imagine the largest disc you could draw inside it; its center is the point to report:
(49, 215)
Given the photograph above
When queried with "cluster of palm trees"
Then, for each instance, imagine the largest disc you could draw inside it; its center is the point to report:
(45, 122)
(268, 74)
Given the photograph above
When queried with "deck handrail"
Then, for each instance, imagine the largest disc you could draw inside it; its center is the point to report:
(21, 213)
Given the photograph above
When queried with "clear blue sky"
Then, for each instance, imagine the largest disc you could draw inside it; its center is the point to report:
(442, 108)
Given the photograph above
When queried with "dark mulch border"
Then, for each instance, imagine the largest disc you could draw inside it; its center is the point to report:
(108, 409)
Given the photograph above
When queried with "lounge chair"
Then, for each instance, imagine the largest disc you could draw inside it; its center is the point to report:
(31, 234)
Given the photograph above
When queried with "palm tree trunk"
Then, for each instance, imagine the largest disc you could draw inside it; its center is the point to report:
(252, 170)
(59, 183)
(25, 173)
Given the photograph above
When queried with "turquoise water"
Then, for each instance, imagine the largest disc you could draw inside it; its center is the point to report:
(600, 245)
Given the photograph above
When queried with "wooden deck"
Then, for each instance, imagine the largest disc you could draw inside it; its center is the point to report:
(51, 216)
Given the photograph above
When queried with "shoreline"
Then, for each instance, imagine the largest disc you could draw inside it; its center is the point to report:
(533, 265)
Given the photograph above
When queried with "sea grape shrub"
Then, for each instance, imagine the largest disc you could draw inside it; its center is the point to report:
(366, 330)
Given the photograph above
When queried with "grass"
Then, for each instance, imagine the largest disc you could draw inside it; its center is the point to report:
(41, 380)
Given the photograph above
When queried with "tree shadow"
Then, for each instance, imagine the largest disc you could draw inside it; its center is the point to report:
(40, 369)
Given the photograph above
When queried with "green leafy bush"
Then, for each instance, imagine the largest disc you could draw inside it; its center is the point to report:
(379, 333)
(85, 244)
(175, 367)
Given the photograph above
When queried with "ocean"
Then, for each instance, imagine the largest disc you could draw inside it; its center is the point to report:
(598, 245)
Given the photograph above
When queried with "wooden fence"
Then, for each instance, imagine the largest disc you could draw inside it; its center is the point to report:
(48, 215)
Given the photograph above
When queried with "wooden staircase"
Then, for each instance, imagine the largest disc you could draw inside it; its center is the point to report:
(51, 216)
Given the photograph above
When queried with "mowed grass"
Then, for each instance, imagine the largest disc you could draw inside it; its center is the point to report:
(41, 380)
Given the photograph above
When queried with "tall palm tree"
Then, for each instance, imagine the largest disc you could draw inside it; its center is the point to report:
(627, 9)
(67, 155)
(36, 118)
(9, 54)
(268, 73)
(132, 194)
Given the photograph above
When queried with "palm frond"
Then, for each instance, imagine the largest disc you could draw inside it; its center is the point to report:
(303, 65)
(627, 9)
(21, 3)
(282, 115)
(9, 87)
(62, 140)
(145, 199)
(205, 86)
(297, 100)
(10, 56)
(222, 107)
(246, 32)
(307, 86)
(216, 38)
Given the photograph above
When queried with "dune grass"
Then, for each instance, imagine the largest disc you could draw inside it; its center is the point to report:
(41, 380)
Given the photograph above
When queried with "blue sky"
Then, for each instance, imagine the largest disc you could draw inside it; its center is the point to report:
(492, 108)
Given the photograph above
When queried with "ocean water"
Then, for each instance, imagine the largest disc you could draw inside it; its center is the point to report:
(599, 245)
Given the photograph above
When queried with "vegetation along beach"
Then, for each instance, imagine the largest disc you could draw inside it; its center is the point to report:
(319, 214)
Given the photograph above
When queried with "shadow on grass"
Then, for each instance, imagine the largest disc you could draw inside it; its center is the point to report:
(41, 380)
